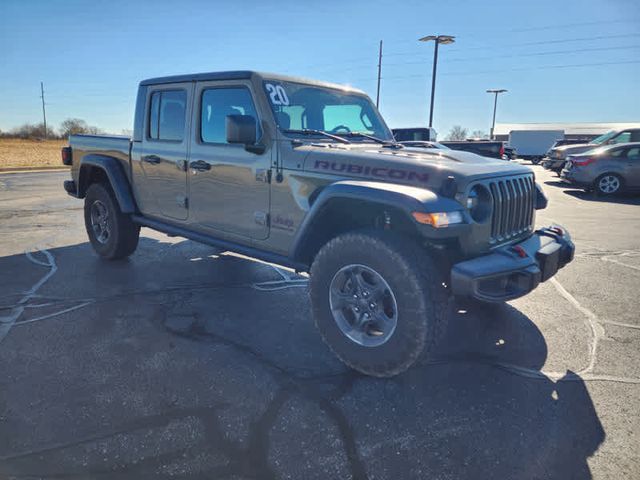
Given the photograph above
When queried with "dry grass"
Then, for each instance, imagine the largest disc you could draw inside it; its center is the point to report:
(16, 153)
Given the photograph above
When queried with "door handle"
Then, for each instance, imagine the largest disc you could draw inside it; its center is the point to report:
(151, 159)
(200, 166)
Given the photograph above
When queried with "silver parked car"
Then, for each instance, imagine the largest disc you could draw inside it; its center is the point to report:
(606, 170)
(557, 156)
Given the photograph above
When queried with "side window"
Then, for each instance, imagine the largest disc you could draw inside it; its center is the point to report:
(167, 115)
(617, 152)
(634, 154)
(216, 104)
(624, 137)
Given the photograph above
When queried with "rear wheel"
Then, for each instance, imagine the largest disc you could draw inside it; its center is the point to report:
(535, 160)
(112, 233)
(608, 184)
(378, 301)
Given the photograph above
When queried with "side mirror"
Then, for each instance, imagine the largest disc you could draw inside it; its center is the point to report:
(241, 129)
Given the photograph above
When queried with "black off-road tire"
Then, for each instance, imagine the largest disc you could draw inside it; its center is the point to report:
(123, 236)
(535, 160)
(422, 300)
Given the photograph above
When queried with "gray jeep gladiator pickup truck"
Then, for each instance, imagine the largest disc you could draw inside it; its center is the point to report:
(307, 175)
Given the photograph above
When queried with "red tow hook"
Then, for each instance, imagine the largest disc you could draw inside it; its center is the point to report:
(520, 251)
(557, 230)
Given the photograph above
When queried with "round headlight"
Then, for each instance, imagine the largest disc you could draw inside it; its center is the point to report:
(479, 203)
(472, 199)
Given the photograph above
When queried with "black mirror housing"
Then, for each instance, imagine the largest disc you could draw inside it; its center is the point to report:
(241, 129)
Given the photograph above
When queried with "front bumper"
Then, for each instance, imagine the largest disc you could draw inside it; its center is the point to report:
(514, 270)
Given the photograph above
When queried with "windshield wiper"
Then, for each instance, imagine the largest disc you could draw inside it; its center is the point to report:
(375, 139)
(311, 131)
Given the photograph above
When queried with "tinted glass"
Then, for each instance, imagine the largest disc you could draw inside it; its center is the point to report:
(217, 103)
(167, 115)
(633, 153)
(172, 115)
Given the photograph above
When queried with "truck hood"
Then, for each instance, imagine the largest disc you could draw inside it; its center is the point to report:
(409, 166)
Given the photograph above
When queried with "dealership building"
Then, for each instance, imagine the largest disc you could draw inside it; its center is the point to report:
(572, 131)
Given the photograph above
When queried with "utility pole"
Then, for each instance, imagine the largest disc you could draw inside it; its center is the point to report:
(44, 113)
(495, 105)
(379, 75)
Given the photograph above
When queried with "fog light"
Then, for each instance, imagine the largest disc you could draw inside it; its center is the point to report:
(439, 219)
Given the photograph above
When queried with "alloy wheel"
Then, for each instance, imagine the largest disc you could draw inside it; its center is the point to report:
(363, 305)
(609, 184)
(100, 222)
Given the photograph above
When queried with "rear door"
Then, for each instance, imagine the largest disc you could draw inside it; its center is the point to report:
(229, 187)
(632, 167)
(161, 163)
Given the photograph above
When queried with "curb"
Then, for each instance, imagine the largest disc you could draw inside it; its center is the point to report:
(10, 170)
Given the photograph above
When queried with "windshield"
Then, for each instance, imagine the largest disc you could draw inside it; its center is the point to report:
(298, 106)
(603, 138)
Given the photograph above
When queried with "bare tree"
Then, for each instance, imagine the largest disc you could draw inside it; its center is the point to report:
(73, 126)
(76, 126)
(479, 134)
(457, 133)
(30, 131)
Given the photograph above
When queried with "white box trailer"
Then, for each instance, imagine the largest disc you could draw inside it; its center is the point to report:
(533, 144)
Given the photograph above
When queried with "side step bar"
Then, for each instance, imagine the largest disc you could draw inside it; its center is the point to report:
(175, 231)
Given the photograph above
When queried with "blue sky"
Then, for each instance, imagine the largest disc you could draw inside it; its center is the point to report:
(573, 61)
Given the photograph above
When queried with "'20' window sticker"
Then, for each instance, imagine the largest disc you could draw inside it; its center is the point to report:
(277, 95)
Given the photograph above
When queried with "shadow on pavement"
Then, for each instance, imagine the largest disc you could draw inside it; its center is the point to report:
(623, 198)
(179, 365)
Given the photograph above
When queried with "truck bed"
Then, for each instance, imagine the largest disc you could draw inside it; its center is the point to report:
(116, 146)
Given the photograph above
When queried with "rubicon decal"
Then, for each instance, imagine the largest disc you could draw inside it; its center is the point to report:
(379, 172)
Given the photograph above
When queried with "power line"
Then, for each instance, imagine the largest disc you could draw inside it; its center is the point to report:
(488, 31)
(541, 67)
(363, 62)
(515, 55)
(541, 42)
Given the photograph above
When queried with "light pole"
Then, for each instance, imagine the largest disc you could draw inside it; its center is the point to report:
(438, 39)
(495, 104)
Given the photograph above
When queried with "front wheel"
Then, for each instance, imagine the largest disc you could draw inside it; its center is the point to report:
(112, 233)
(378, 301)
(608, 184)
(535, 160)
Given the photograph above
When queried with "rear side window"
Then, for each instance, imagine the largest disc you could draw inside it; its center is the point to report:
(167, 115)
(217, 103)
(633, 153)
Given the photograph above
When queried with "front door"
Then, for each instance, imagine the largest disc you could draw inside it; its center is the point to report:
(228, 185)
(162, 159)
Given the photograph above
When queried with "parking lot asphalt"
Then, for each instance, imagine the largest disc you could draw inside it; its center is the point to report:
(187, 362)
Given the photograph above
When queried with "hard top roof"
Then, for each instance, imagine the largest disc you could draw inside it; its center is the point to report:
(243, 75)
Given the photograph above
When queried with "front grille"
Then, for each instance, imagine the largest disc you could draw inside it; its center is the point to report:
(513, 207)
